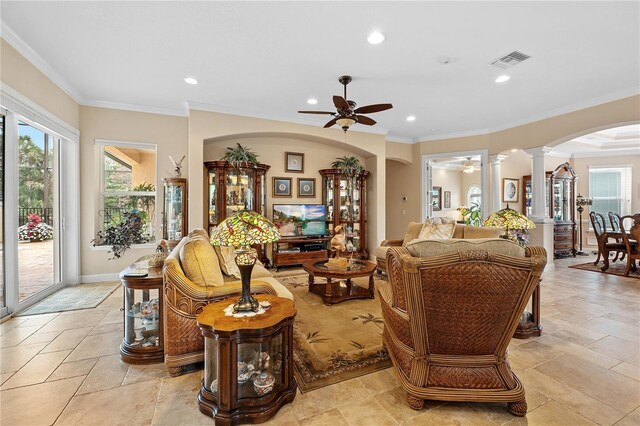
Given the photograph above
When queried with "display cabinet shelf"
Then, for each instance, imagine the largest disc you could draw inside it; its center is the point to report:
(175, 216)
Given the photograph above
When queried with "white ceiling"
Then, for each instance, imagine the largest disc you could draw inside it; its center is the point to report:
(264, 59)
(617, 141)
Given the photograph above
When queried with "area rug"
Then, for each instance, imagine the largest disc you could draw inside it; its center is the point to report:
(334, 343)
(72, 298)
(615, 268)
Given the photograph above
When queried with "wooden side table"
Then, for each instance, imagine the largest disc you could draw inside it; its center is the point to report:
(529, 325)
(143, 341)
(248, 362)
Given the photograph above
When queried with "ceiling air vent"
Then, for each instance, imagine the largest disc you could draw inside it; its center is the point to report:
(510, 59)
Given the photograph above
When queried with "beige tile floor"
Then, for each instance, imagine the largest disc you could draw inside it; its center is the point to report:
(64, 369)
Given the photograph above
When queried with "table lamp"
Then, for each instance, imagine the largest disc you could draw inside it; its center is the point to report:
(509, 219)
(241, 231)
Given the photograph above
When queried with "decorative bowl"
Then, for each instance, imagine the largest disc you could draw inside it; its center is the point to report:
(263, 384)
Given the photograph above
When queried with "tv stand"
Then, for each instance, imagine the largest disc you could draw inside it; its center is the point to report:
(298, 250)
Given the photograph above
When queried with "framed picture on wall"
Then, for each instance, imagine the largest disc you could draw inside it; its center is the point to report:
(436, 198)
(510, 190)
(294, 162)
(306, 187)
(447, 199)
(281, 187)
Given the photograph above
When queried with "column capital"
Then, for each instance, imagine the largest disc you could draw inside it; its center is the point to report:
(539, 151)
(496, 159)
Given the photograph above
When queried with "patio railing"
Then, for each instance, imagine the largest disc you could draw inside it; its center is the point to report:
(45, 213)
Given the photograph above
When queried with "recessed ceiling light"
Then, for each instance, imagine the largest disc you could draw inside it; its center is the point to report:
(411, 118)
(312, 101)
(376, 37)
(190, 80)
(515, 150)
(502, 78)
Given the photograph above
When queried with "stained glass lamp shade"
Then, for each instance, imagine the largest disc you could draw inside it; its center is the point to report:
(241, 231)
(509, 219)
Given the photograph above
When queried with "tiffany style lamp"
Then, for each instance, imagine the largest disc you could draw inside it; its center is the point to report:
(509, 219)
(241, 231)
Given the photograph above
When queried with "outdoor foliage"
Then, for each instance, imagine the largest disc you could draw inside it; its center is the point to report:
(35, 229)
(31, 183)
(120, 236)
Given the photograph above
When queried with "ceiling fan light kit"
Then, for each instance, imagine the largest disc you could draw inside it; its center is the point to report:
(347, 114)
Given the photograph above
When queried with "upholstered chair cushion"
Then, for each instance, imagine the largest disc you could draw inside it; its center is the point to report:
(413, 230)
(431, 231)
(425, 248)
(200, 262)
(473, 232)
(228, 266)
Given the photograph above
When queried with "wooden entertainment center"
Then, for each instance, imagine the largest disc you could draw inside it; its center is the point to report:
(296, 251)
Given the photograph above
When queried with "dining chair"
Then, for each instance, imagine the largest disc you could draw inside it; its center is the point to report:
(604, 246)
(614, 218)
(630, 240)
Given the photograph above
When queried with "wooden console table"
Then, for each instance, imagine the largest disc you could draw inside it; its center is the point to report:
(248, 362)
(143, 341)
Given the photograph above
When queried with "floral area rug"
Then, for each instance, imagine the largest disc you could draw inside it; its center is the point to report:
(615, 268)
(337, 342)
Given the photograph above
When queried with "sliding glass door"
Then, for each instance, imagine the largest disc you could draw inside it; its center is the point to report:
(38, 242)
(3, 292)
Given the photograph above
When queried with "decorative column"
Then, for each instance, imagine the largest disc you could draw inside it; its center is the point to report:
(543, 234)
(496, 179)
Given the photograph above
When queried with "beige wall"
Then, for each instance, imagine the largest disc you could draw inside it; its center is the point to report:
(212, 127)
(21, 75)
(515, 166)
(402, 180)
(169, 133)
(449, 180)
(549, 132)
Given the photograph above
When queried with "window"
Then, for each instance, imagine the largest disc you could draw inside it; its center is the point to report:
(610, 189)
(474, 196)
(128, 175)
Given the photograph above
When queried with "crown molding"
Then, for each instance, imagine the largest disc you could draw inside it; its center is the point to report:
(621, 153)
(180, 112)
(399, 139)
(37, 61)
(615, 96)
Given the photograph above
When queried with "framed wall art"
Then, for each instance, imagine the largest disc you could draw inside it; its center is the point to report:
(436, 198)
(306, 187)
(447, 199)
(294, 162)
(281, 187)
(510, 190)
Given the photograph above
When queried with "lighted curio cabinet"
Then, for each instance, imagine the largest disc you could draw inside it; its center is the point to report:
(560, 203)
(346, 202)
(174, 218)
(231, 190)
(248, 362)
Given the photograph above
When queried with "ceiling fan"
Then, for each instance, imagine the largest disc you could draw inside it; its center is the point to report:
(347, 114)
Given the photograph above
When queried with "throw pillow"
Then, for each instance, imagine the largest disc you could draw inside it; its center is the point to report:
(227, 259)
(200, 262)
(432, 231)
(413, 230)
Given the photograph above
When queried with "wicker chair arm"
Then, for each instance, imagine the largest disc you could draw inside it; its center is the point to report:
(391, 243)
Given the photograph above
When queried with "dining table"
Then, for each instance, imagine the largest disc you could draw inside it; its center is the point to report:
(633, 236)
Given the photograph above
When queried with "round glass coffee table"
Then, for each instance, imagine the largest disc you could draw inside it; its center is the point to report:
(339, 286)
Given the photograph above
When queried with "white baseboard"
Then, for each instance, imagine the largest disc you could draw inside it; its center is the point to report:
(99, 277)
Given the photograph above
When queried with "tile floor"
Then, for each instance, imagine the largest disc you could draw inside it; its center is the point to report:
(64, 369)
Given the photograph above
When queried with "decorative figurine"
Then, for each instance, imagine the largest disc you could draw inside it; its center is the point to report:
(338, 241)
(177, 165)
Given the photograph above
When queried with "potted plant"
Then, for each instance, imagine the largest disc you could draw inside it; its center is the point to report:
(35, 229)
(240, 156)
(121, 236)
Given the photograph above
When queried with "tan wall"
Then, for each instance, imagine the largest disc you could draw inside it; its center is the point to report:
(449, 180)
(549, 132)
(145, 170)
(401, 152)
(402, 181)
(21, 75)
(169, 133)
(211, 126)
(515, 166)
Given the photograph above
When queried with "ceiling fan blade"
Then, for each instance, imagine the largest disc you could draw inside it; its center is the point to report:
(368, 109)
(365, 120)
(340, 102)
(332, 122)
(316, 112)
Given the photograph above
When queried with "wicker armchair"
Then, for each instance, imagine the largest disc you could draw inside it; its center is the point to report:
(449, 318)
(184, 300)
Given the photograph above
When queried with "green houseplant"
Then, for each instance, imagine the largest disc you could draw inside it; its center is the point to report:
(349, 166)
(240, 155)
(120, 236)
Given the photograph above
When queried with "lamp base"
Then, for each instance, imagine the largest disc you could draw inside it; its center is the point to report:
(246, 303)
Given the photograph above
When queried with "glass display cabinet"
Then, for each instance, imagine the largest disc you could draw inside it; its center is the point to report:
(248, 362)
(560, 202)
(142, 308)
(175, 217)
(346, 204)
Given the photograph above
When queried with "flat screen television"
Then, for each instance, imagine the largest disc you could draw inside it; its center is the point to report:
(300, 220)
